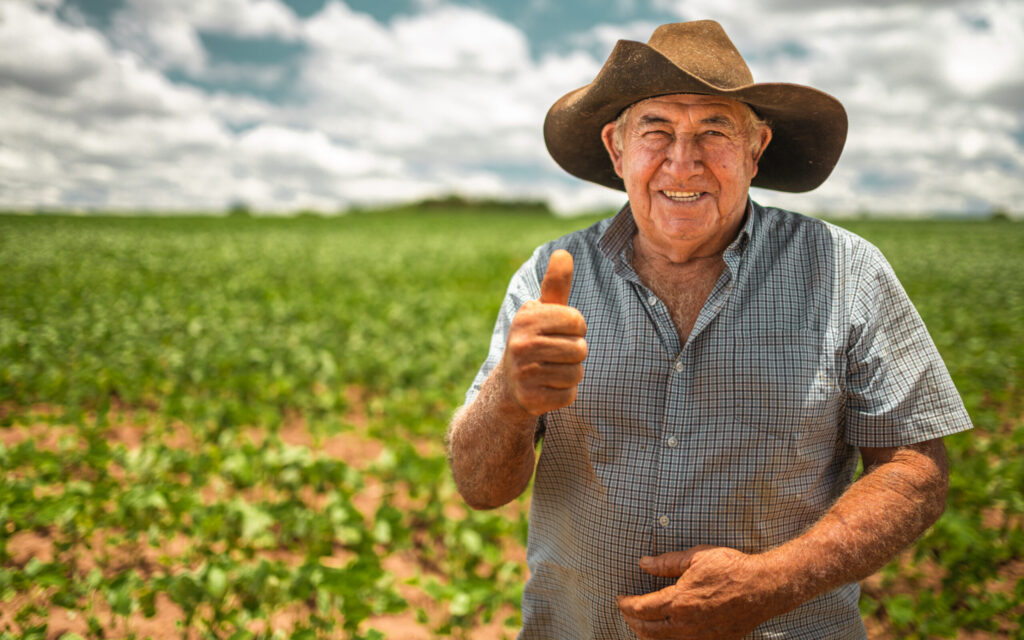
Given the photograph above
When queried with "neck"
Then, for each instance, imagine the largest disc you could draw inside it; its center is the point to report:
(672, 256)
(682, 254)
(669, 252)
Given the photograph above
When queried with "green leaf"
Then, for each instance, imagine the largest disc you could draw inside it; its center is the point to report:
(900, 609)
(461, 604)
(216, 582)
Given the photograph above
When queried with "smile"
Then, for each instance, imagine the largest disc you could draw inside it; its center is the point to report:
(682, 196)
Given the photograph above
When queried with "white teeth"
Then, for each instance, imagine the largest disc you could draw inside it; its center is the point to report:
(682, 196)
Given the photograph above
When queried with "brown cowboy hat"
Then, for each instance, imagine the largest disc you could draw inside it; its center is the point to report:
(808, 126)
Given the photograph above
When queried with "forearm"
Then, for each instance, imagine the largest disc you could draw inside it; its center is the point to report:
(902, 494)
(491, 446)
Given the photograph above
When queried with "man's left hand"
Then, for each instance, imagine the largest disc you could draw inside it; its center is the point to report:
(721, 593)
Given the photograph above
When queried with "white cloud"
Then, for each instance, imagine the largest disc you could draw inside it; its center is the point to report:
(39, 53)
(582, 198)
(243, 18)
(160, 36)
(473, 42)
(109, 134)
(166, 32)
(450, 99)
(985, 47)
(406, 73)
(297, 151)
(340, 29)
(445, 105)
(239, 111)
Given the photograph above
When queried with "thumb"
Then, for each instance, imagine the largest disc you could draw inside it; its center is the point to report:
(557, 279)
(669, 565)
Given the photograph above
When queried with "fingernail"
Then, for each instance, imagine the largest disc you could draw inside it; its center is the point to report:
(646, 561)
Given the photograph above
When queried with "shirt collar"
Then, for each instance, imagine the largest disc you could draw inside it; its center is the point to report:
(742, 239)
(616, 242)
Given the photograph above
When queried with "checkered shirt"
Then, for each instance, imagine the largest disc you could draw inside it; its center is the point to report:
(806, 349)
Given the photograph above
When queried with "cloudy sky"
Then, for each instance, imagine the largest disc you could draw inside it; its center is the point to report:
(324, 104)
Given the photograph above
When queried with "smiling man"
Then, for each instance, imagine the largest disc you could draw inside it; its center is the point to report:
(688, 166)
(697, 479)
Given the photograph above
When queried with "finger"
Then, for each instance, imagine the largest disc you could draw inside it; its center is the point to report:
(650, 606)
(552, 376)
(558, 320)
(669, 565)
(557, 279)
(650, 629)
(557, 349)
(658, 629)
(550, 319)
(540, 401)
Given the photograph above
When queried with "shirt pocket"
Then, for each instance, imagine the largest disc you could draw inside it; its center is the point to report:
(787, 384)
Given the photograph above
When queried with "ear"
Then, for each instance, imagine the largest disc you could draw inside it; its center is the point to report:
(608, 138)
(766, 137)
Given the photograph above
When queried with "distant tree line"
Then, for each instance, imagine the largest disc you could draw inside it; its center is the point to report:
(451, 202)
(457, 202)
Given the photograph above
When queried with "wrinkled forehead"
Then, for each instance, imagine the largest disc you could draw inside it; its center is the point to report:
(691, 101)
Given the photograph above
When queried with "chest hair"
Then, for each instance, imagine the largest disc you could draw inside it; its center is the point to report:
(683, 288)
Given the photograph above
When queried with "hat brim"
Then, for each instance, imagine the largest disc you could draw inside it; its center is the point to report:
(808, 126)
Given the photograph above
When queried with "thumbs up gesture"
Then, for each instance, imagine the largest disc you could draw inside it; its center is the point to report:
(543, 360)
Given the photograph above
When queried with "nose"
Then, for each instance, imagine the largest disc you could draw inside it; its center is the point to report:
(684, 158)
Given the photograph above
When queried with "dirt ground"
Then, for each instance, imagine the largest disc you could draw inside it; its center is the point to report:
(353, 447)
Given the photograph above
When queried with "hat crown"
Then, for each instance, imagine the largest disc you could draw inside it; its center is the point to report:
(704, 50)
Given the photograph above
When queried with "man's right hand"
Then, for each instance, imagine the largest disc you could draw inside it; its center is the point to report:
(543, 361)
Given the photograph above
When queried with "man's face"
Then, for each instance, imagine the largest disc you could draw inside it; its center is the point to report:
(687, 162)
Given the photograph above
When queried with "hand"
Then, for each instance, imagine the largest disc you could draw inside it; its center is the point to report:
(722, 593)
(546, 346)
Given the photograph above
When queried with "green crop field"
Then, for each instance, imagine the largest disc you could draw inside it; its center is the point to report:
(232, 427)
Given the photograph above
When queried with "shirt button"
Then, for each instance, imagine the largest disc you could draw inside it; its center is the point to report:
(653, 300)
(679, 366)
(663, 521)
(672, 442)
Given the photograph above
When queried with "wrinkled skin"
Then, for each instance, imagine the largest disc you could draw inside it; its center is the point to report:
(691, 144)
(721, 593)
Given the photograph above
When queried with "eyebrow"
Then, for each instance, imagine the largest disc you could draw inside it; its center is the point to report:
(649, 120)
(720, 121)
(716, 120)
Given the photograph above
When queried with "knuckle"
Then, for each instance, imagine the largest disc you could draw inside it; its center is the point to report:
(527, 314)
(530, 372)
(579, 320)
(521, 323)
(519, 345)
(551, 398)
(583, 349)
(515, 347)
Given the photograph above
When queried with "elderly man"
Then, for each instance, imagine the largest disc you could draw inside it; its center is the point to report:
(696, 481)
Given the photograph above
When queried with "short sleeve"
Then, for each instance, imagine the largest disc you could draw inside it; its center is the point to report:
(898, 389)
(524, 285)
